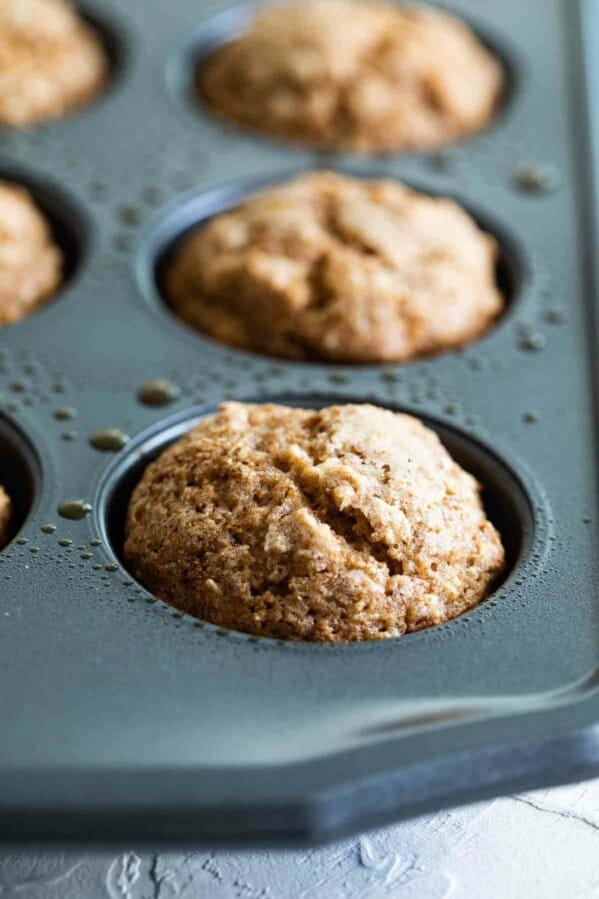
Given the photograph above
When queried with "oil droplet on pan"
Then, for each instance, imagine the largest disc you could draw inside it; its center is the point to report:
(74, 509)
(152, 195)
(535, 342)
(536, 177)
(48, 528)
(129, 215)
(109, 440)
(157, 393)
(555, 315)
(65, 414)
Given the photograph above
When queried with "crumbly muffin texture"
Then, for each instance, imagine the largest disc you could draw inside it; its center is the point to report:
(5, 516)
(355, 75)
(339, 268)
(50, 61)
(30, 261)
(348, 523)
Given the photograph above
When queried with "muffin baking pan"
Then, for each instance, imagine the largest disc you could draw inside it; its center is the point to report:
(123, 720)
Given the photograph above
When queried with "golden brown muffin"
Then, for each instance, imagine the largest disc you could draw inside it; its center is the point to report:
(338, 268)
(30, 261)
(349, 523)
(355, 75)
(5, 516)
(50, 62)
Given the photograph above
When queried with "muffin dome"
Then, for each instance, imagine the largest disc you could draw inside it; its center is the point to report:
(338, 268)
(30, 261)
(50, 62)
(5, 516)
(355, 75)
(348, 523)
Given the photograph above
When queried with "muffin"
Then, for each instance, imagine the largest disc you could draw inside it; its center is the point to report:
(30, 261)
(348, 523)
(5, 516)
(50, 62)
(338, 268)
(349, 74)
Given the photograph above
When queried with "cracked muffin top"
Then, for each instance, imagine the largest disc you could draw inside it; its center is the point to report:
(5, 516)
(50, 62)
(30, 261)
(355, 75)
(338, 268)
(348, 523)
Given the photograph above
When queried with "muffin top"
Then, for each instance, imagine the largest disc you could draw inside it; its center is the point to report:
(30, 261)
(348, 523)
(338, 268)
(5, 516)
(356, 75)
(50, 62)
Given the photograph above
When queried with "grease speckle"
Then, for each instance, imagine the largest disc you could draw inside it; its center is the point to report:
(109, 440)
(157, 393)
(536, 177)
(66, 413)
(74, 509)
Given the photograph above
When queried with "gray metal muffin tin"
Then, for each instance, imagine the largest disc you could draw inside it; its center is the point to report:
(122, 720)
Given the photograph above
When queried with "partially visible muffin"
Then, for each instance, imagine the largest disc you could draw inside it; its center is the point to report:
(338, 268)
(5, 516)
(30, 261)
(348, 523)
(355, 75)
(50, 61)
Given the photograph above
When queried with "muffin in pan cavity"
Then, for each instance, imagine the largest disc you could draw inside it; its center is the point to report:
(348, 523)
(51, 62)
(355, 75)
(338, 268)
(5, 516)
(30, 261)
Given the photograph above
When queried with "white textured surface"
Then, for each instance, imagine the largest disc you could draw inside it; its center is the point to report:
(538, 845)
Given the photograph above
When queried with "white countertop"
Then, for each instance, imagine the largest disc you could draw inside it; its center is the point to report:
(532, 846)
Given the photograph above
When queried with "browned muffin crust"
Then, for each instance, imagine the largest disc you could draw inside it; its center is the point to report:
(348, 523)
(50, 62)
(30, 261)
(338, 268)
(355, 75)
(5, 516)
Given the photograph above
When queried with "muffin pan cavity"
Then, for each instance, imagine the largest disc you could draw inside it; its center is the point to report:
(114, 39)
(57, 60)
(20, 474)
(506, 500)
(164, 235)
(69, 225)
(192, 52)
